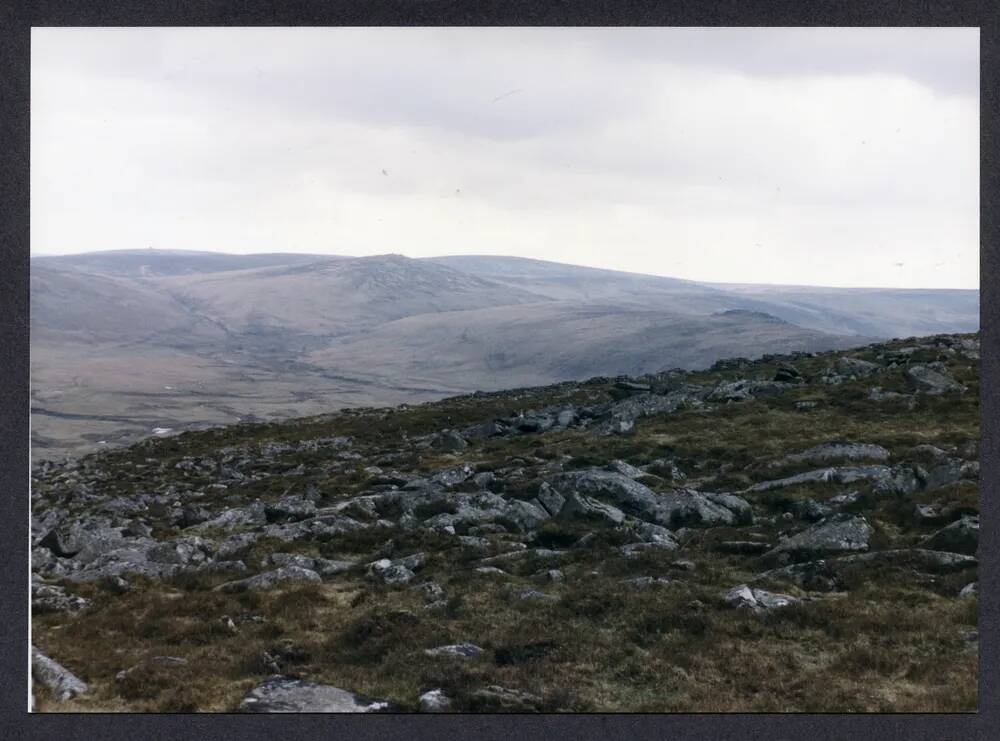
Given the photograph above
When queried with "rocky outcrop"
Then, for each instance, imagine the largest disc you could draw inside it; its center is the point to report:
(835, 535)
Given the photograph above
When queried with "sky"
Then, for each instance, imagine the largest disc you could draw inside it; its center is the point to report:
(826, 156)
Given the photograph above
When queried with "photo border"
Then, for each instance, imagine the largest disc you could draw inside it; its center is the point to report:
(16, 20)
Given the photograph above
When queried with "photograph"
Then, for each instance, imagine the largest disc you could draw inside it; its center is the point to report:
(504, 369)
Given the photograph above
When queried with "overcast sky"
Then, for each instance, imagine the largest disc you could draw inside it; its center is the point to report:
(846, 157)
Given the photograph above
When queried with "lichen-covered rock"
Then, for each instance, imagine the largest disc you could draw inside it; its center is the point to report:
(286, 695)
(582, 507)
(455, 650)
(757, 600)
(839, 451)
(689, 508)
(53, 598)
(62, 683)
(435, 701)
(929, 381)
(961, 536)
(270, 580)
(836, 535)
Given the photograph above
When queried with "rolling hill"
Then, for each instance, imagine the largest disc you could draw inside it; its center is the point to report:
(125, 342)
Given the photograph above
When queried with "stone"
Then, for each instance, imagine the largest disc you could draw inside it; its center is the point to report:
(53, 598)
(840, 451)
(286, 695)
(919, 559)
(626, 469)
(292, 509)
(191, 516)
(813, 576)
(453, 476)
(431, 591)
(969, 591)
(836, 535)
(165, 661)
(625, 493)
(567, 417)
(550, 499)
(524, 516)
(634, 549)
(456, 650)
(666, 469)
(788, 374)
(62, 683)
(435, 701)
(835, 474)
(688, 508)
(389, 572)
(620, 427)
(449, 440)
(270, 580)
(810, 509)
(646, 582)
(183, 551)
(490, 571)
(855, 367)
(961, 536)
(757, 600)
(649, 532)
(741, 509)
(948, 471)
(487, 481)
(533, 595)
(926, 380)
(578, 506)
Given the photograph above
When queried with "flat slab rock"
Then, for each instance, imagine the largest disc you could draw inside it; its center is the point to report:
(458, 650)
(63, 684)
(270, 580)
(285, 695)
(836, 535)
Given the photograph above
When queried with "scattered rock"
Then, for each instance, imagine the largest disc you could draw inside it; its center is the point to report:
(926, 380)
(449, 440)
(62, 683)
(270, 580)
(840, 451)
(286, 695)
(757, 600)
(435, 701)
(961, 536)
(837, 534)
(457, 650)
(53, 598)
(578, 506)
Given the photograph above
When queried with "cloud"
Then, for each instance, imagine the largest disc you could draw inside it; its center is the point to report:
(821, 156)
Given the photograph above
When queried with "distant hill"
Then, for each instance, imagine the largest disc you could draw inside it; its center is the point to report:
(127, 341)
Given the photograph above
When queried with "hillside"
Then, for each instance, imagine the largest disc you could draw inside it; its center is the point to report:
(125, 342)
(795, 533)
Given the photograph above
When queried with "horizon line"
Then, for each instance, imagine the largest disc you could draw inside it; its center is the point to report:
(321, 255)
